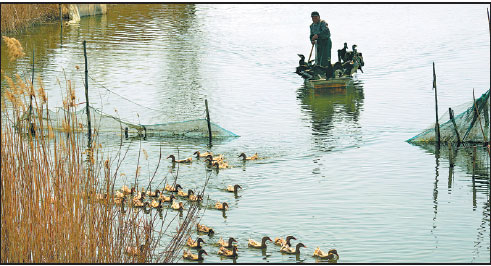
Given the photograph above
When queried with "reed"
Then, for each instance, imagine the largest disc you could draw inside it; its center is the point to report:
(15, 17)
(51, 212)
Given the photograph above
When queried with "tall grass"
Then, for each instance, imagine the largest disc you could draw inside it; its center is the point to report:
(50, 186)
(15, 17)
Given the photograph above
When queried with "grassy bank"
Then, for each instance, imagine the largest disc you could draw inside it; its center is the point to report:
(58, 197)
(15, 17)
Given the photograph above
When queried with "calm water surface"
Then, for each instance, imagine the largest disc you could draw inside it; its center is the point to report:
(336, 170)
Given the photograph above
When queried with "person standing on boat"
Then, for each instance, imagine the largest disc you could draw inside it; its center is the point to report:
(321, 37)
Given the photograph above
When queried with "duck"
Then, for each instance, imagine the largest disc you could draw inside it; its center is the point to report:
(170, 188)
(184, 194)
(253, 157)
(118, 194)
(195, 244)
(140, 203)
(254, 244)
(204, 229)
(119, 201)
(166, 199)
(330, 255)
(281, 242)
(228, 253)
(217, 158)
(233, 188)
(221, 206)
(188, 160)
(156, 204)
(137, 251)
(195, 198)
(149, 193)
(228, 244)
(177, 206)
(100, 196)
(139, 196)
(290, 250)
(187, 255)
(126, 190)
(202, 155)
(217, 164)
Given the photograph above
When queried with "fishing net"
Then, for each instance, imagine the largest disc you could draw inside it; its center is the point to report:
(470, 125)
(104, 123)
(112, 114)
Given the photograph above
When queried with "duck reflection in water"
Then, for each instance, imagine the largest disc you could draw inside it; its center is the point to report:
(328, 105)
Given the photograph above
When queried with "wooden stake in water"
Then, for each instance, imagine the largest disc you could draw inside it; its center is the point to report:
(31, 125)
(437, 126)
(452, 118)
(208, 120)
(87, 96)
(61, 16)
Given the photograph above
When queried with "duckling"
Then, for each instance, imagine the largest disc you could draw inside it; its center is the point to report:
(149, 193)
(166, 199)
(281, 242)
(187, 255)
(195, 244)
(331, 255)
(195, 198)
(233, 188)
(228, 253)
(188, 160)
(177, 206)
(204, 229)
(170, 188)
(221, 206)
(254, 244)
(290, 250)
(228, 244)
(184, 194)
(201, 155)
(253, 157)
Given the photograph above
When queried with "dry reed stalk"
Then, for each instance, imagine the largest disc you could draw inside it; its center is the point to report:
(49, 212)
(16, 17)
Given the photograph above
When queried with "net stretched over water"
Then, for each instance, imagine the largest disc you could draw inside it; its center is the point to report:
(471, 124)
(56, 120)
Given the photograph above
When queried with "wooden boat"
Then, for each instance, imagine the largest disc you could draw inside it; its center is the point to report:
(335, 76)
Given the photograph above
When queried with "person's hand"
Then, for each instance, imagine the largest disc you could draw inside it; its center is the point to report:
(313, 42)
(315, 37)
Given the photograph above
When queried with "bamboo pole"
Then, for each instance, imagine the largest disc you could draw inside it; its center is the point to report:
(208, 120)
(437, 126)
(452, 118)
(87, 97)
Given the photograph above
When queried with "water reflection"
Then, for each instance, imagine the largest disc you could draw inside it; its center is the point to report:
(334, 114)
(474, 160)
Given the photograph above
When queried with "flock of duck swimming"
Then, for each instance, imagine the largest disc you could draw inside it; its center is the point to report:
(228, 249)
(157, 198)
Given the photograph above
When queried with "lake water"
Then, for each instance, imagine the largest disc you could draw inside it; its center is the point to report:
(336, 171)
